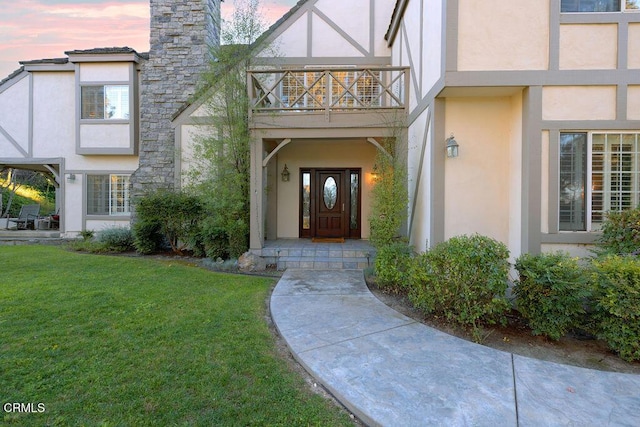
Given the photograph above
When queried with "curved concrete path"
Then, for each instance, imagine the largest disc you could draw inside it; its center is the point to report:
(393, 371)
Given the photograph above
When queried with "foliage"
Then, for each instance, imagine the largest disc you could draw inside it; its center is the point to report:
(21, 187)
(221, 171)
(389, 196)
(116, 239)
(392, 266)
(617, 304)
(172, 216)
(129, 341)
(87, 234)
(620, 233)
(551, 293)
(147, 236)
(464, 279)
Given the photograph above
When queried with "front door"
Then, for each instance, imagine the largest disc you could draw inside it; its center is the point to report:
(330, 203)
(330, 207)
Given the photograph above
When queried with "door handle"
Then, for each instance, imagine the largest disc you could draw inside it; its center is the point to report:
(343, 207)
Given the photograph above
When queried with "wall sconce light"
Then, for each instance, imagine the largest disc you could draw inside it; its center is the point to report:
(452, 147)
(71, 177)
(285, 174)
(375, 174)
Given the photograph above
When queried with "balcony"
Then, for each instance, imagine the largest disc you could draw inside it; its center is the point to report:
(315, 97)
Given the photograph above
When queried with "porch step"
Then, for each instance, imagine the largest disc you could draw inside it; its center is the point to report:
(304, 254)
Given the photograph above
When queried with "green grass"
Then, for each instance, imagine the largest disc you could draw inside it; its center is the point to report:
(117, 341)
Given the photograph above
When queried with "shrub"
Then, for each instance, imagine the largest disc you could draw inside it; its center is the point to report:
(214, 239)
(238, 233)
(87, 234)
(147, 237)
(620, 233)
(463, 279)
(392, 266)
(617, 304)
(172, 215)
(551, 293)
(116, 239)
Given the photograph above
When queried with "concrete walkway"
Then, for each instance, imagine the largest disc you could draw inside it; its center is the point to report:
(393, 371)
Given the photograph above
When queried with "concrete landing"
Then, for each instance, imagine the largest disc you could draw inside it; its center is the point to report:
(393, 371)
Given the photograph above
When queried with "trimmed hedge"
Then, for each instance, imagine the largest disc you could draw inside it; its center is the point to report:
(463, 279)
(551, 293)
(617, 304)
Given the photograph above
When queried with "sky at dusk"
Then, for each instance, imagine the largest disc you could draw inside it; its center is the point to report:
(38, 29)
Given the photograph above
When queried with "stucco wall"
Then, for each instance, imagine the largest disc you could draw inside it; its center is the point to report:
(497, 35)
(420, 182)
(588, 47)
(579, 103)
(477, 184)
(14, 118)
(318, 30)
(54, 114)
(633, 106)
(319, 154)
(104, 73)
(634, 46)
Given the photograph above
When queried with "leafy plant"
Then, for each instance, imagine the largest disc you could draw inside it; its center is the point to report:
(620, 233)
(617, 304)
(389, 196)
(171, 215)
(464, 279)
(392, 265)
(87, 234)
(116, 239)
(551, 292)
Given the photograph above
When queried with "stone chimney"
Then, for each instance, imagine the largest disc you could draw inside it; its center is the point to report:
(183, 33)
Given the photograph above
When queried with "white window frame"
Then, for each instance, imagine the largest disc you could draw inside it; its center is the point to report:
(623, 8)
(591, 225)
(115, 208)
(108, 104)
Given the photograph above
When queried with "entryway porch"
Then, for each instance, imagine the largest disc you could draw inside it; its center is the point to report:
(318, 253)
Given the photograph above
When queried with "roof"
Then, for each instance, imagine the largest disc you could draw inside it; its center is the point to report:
(102, 51)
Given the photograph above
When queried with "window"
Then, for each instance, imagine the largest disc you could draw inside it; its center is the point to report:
(105, 102)
(347, 89)
(108, 195)
(607, 166)
(599, 5)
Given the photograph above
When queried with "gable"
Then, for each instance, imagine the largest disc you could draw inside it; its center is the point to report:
(332, 31)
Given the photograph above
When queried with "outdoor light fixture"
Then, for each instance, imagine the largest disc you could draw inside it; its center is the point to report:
(452, 147)
(374, 173)
(285, 174)
(71, 177)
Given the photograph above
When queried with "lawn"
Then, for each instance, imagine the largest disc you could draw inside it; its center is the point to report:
(110, 341)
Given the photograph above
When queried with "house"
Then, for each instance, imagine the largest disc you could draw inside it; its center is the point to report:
(76, 119)
(541, 100)
(84, 119)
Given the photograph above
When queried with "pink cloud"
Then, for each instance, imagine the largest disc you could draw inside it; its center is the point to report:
(36, 29)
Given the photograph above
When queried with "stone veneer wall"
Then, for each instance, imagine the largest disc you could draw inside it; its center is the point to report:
(183, 32)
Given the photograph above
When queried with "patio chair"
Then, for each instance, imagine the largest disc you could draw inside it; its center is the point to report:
(27, 217)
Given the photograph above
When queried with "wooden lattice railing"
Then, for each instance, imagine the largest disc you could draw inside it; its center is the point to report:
(329, 90)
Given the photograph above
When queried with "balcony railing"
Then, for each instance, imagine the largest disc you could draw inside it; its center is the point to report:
(328, 90)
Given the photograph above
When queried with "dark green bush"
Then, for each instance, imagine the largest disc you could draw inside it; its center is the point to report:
(464, 279)
(620, 233)
(551, 293)
(617, 304)
(147, 237)
(116, 239)
(172, 216)
(238, 233)
(214, 239)
(392, 266)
